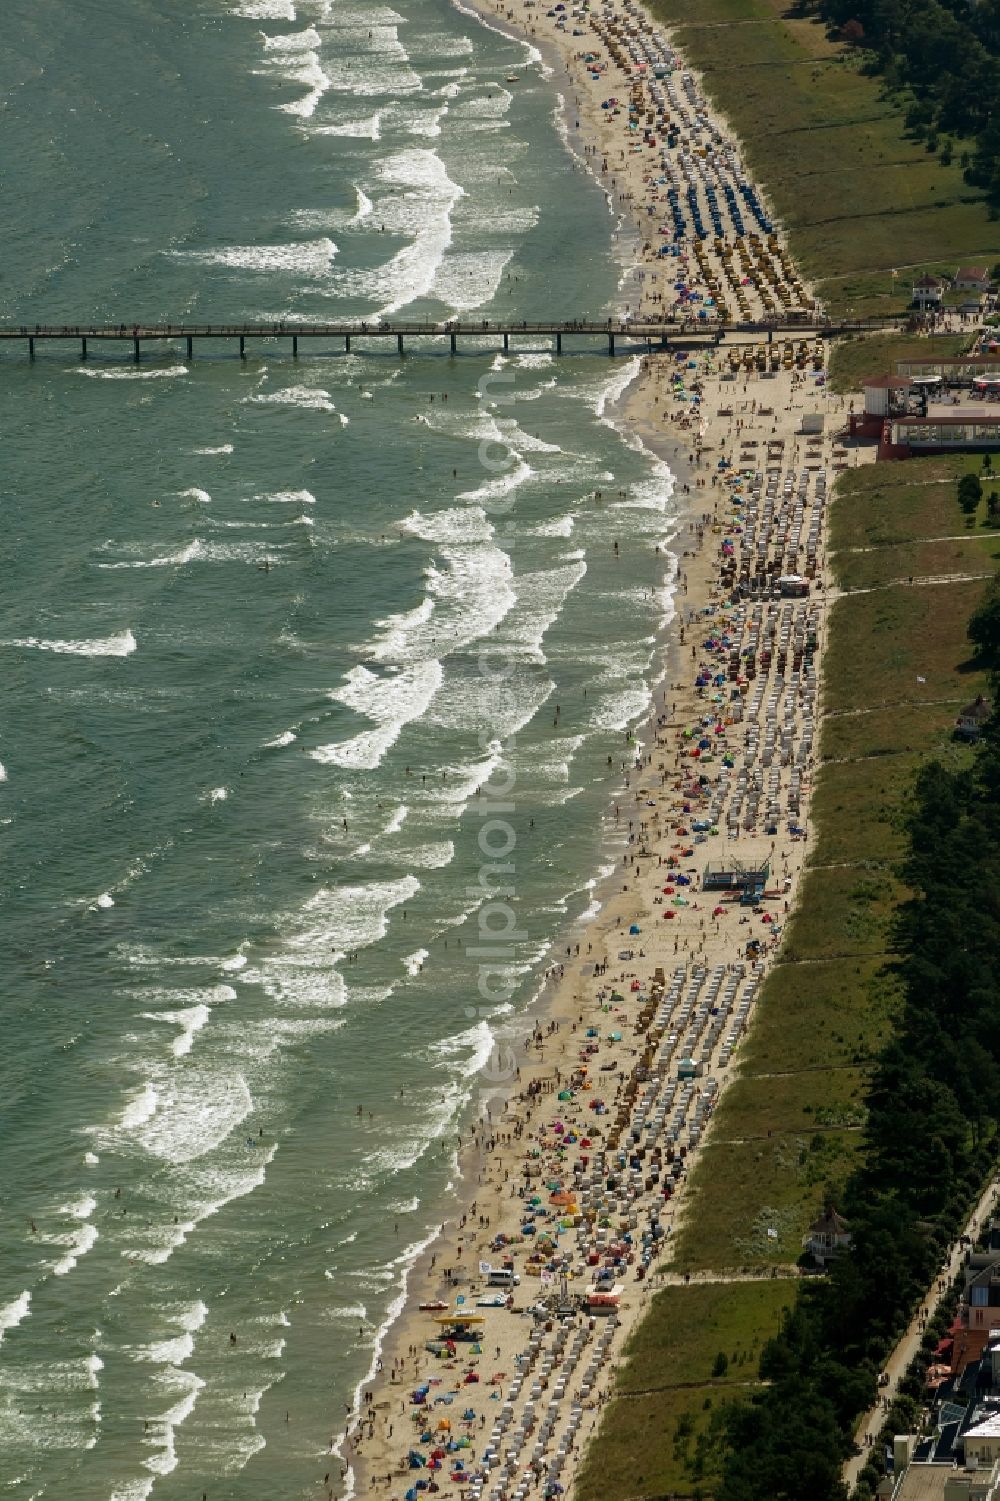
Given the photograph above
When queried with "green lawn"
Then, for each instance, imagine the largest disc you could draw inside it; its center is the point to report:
(659, 1446)
(656, 1437)
(969, 554)
(679, 1340)
(885, 732)
(901, 646)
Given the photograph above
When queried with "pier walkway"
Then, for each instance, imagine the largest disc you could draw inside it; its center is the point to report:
(612, 333)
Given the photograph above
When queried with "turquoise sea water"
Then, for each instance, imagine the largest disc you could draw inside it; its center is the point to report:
(246, 715)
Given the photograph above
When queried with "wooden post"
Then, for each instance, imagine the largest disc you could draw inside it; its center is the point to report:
(135, 350)
(83, 349)
(506, 343)
(347, 343)
(558, 343)
(611, 344)
(190, 347)
(295, 346)
(243, 348)
(399, 342)
(454, 343)
(31, 349)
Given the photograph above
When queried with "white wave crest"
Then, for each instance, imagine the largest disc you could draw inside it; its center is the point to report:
(121, 645)
(390, 702)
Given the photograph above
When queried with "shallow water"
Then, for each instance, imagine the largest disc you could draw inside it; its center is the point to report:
(248, 708)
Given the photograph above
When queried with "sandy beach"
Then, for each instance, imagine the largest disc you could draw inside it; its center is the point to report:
(574, 1178)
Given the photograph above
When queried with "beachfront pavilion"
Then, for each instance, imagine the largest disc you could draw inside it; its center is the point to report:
(960, 371)
(972, 429)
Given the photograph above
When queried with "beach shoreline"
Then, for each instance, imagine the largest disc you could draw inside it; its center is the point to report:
(734, 407)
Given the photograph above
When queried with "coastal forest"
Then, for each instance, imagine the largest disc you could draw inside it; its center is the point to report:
(933, 1111)
(939, 57)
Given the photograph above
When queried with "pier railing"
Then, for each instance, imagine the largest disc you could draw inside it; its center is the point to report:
(652, 334)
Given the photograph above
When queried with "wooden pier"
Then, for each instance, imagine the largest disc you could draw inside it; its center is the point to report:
(127, 339)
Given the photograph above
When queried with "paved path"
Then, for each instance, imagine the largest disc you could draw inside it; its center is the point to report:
(788, 1272)
(898, 1364)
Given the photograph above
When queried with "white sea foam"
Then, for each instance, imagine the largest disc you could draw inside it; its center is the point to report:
(140, 1109)
(133, 1490)
(520, 442)
(310, 398)
(14, 1313)
(190, 1020)
(217, 794)
(3, 772)
(474, 1047)
(364, 207)
(560, 526)
(498, 707)
(333, 922)
(301, 258)
(421, 197)
(289, 497)
(414, 963)
(349, 917)
(79, 1242)
(458, 524)
(294, 41)
(215, 1187)
(397, 820)
(502, 486)
(184, 1386)
(221, 448)
(197, 1108)
(390, 702)
(194, 549)
(190, 1316)
(104, 901)
(378, 63)
(461, 783)
(81, 1209)
(466, 598)
(264, 10)
(423, 856)
(621, 709)
(164, 1351)
(285, 738)
(121, 645)
(304, 69)
(193, 493)
(369, 129)
(540, 598)
(612, 390)
(131, 372)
